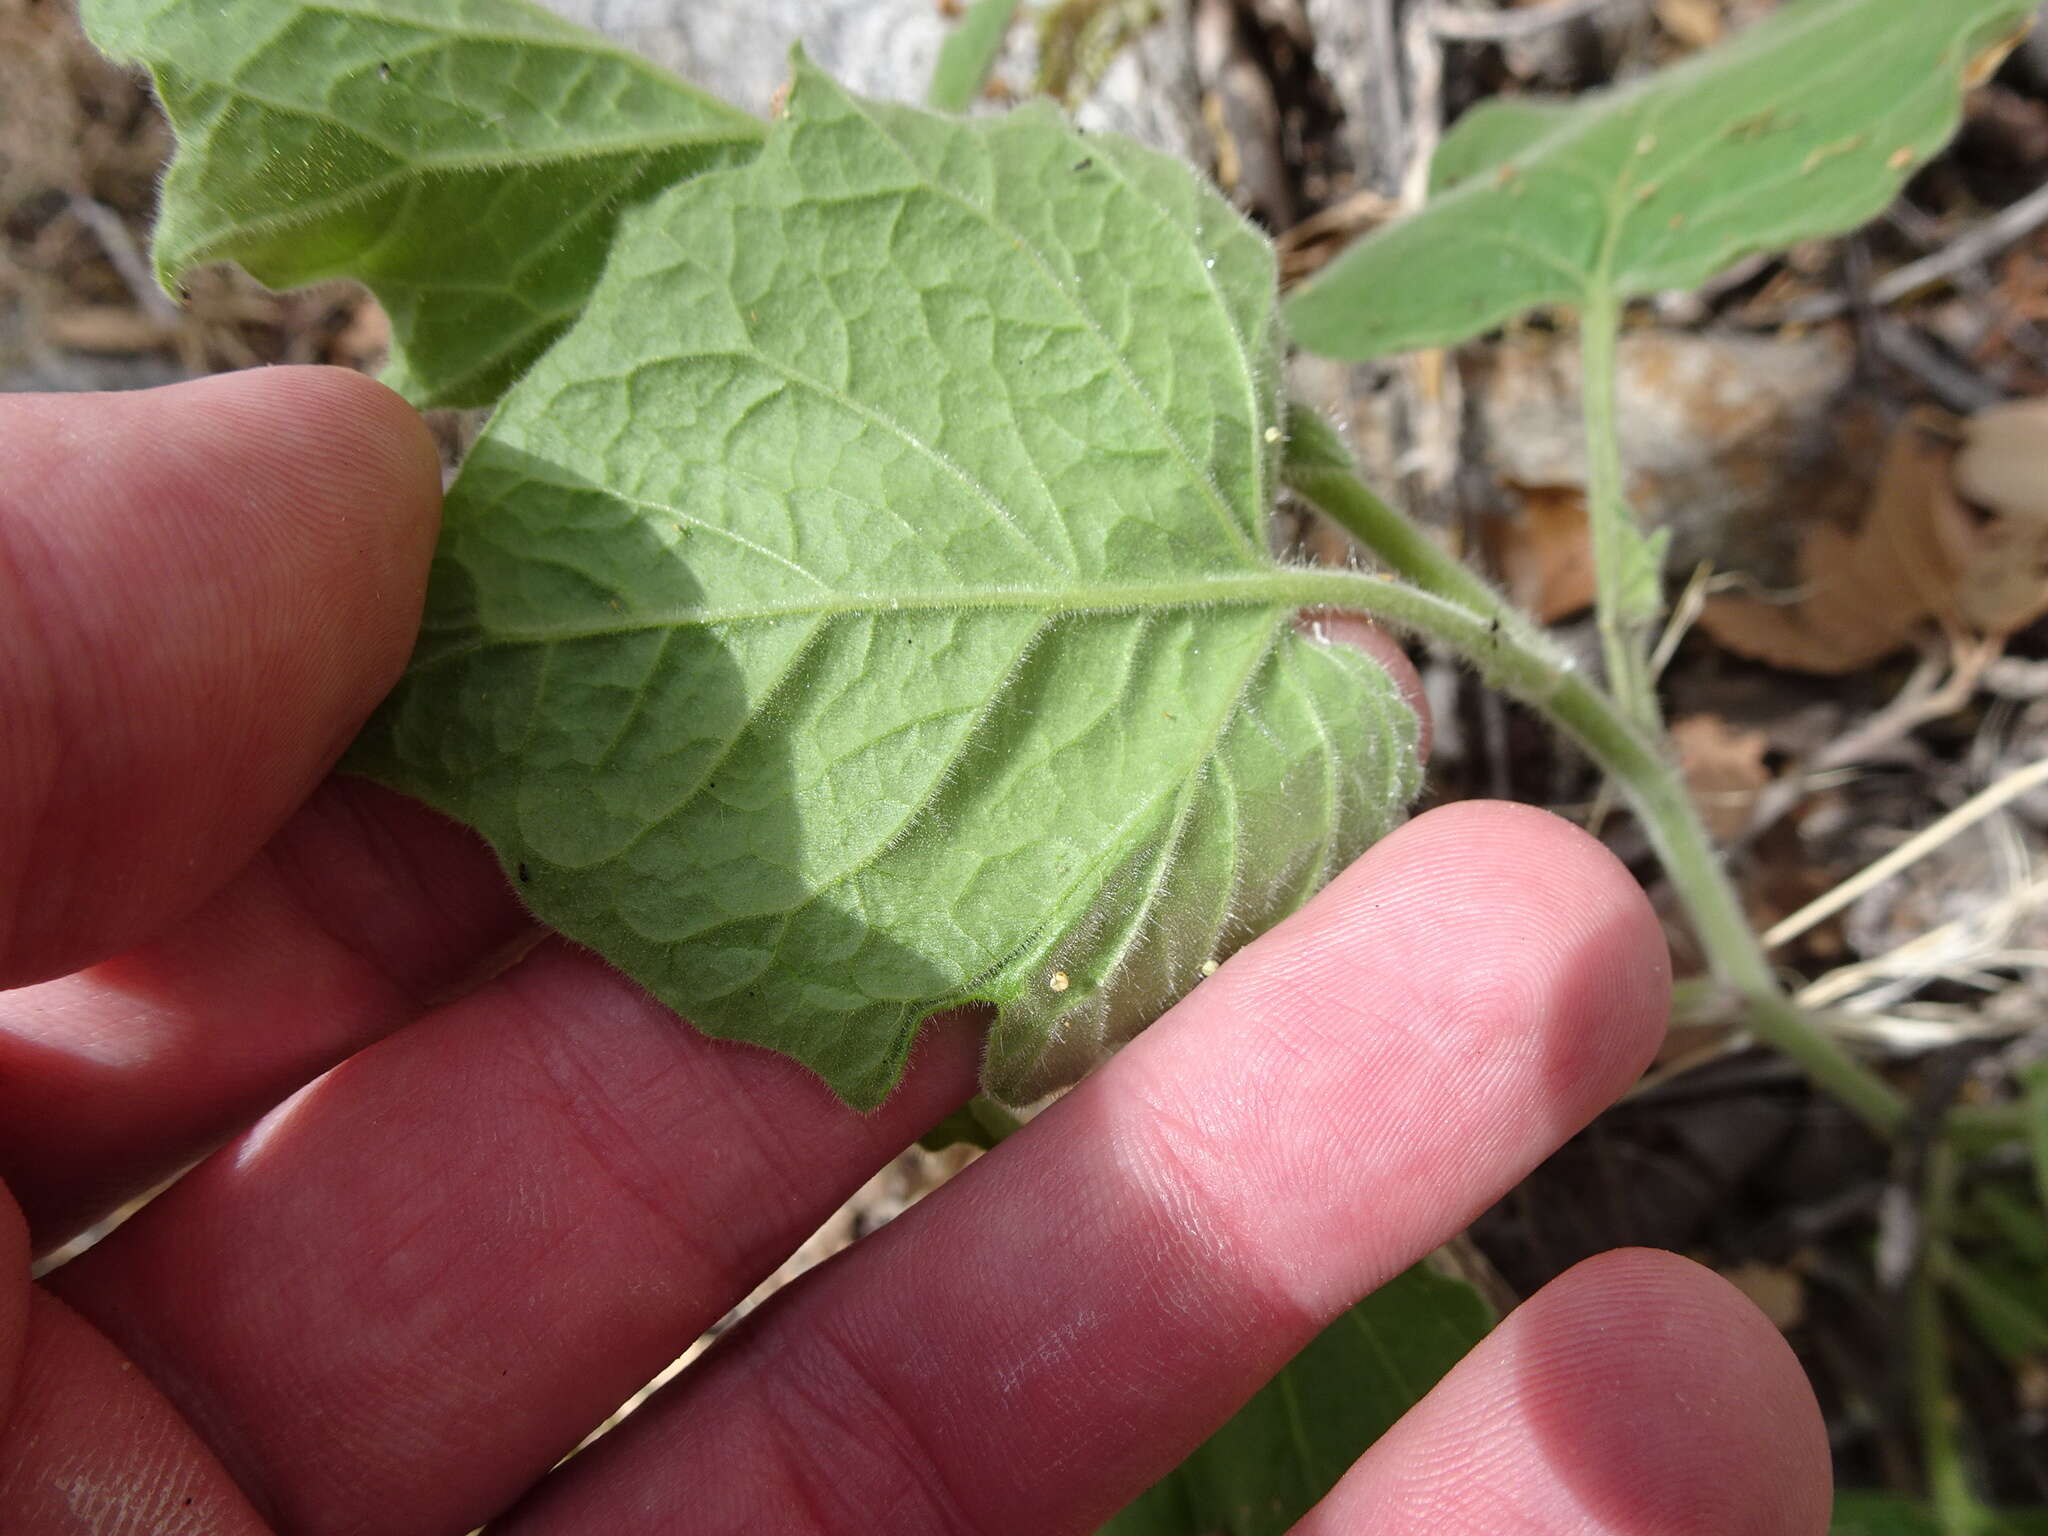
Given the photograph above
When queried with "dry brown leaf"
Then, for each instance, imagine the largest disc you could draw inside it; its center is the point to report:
(1695, 23)
(1544, 551)
(366, 340)
(1956, 534)
(1777, 1292)
(1723, 768)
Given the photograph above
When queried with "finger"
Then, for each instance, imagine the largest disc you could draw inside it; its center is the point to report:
(1636, 1393)
(1098, 1295)
(86, 1444)
(125, 1282)
(363, 912)
(423, 1279)
(203, 591)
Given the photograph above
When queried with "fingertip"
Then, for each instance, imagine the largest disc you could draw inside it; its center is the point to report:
(1517, 872)
(1390, 1060)
(1666, 1397)
(352, 483)
(205, 589)
(1635, 1392)
(1516, 936)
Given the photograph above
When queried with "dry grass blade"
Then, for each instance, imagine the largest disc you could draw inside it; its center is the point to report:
(1986, 803)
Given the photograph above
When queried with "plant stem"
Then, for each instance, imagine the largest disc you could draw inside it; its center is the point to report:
(1619, 576)
(1455, 607)
(1956, 1507)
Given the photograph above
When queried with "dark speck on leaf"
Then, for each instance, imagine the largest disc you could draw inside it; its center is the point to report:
(525, 874)
(1082, 165)
(383, 70)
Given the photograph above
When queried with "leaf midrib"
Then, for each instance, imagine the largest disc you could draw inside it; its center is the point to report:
(1279, 587)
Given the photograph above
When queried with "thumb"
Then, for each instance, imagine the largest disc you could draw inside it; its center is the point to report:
(203, 591)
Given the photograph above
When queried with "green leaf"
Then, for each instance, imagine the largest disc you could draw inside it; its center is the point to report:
(1639, 595)
(1803, 125)
(979, 1122)
(1493, 133)
(969, 53)
(468, 159)
(866, 608)
(1885, 1514)
(2004, 1305)
(1289, 1445)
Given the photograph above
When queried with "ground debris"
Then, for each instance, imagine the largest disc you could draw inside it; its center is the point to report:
(1956, 534)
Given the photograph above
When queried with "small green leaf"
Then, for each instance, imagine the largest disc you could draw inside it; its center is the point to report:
(979, 1122)
(1493, 133)
(1639, 595)
(467, 159)
(1289, 1445)
(969, 53)
(1805, 124)
(867, 607)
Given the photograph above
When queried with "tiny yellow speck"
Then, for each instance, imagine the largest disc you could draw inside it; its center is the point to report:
(1646, 144)
(1210, 967)
(1272, 434)
(1901, 158)
(1059, 982)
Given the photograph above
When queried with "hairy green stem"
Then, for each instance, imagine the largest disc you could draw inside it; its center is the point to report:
(1449, 604)
(1618, 555)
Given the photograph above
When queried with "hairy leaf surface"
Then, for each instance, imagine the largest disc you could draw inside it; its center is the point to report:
(1802, 125)
(468, 159)
(866, 607)
(1287, 1447)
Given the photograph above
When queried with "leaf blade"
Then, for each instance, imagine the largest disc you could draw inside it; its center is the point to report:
(969, 53)
(892, 626)
(1805, 124)
(467, 159)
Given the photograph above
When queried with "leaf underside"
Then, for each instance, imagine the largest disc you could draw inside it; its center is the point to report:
(467, 159)
(866, 608)
(1803, 125)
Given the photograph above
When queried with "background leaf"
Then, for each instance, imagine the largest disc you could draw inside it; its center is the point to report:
(1804, 124)
(1287, 1447)
(468, 159)
(969, 53)
(1884, 1514)
(892, 625)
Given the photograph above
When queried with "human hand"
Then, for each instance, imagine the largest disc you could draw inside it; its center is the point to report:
(396, 1301)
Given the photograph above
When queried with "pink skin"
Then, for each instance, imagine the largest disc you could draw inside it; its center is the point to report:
(398, 1298)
